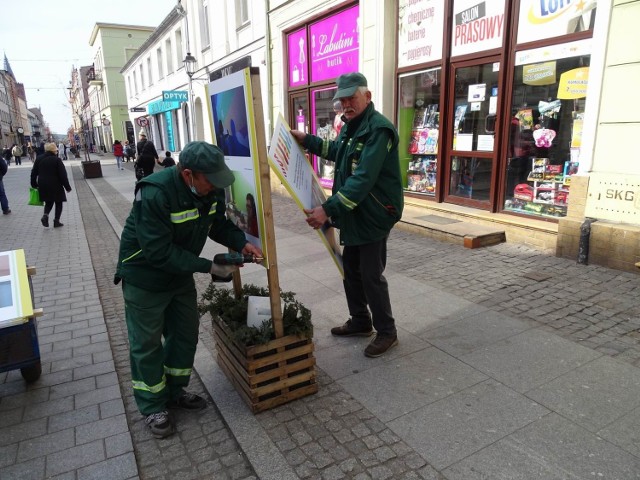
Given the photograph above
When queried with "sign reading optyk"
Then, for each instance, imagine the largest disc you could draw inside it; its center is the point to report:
(175, 95)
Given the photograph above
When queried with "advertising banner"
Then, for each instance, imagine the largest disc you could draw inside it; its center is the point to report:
(541, 19)
(335, 45)
(420, 29)
(298, 68)
(234, 130)
(290, 164)
(477, 26)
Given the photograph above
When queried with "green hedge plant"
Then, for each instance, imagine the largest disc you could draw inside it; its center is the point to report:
(221, 302)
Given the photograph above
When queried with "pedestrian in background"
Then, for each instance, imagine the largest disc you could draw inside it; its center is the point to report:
(128, 151)
(49, 176)
(118, 152)
(167, 161)
(4, 201)
(61, 151)
(173, 213)
(6, 154)
(366, 203)
(32, 152)
(147, 156)
(16, 151)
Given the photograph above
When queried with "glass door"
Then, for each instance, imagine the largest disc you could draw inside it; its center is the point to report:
(326, 123)
(299, 112)
(472, 140)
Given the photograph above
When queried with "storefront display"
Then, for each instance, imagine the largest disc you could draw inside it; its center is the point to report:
(419, 127)
(546, 128)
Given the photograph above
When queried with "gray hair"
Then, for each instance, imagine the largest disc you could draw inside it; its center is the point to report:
(363, 90)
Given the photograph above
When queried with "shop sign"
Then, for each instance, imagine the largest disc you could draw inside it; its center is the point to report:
(539, 74)
(540, 19)
(613, 197)
(298, 68)
(573, 84)
(420, 25)
(175, 95)
(168, 116)
(160, 106)
(233, 67)
(477, 26)
(335, 45)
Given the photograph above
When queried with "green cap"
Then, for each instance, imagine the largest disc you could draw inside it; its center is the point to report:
(348, 84)
(208, 159)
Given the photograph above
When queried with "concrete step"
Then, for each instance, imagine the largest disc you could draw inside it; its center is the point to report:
(470, 235)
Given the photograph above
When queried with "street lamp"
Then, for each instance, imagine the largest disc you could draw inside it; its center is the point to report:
(189, 63)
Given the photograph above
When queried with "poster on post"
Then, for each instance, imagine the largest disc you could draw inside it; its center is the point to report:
(290, 164)
(234, 131)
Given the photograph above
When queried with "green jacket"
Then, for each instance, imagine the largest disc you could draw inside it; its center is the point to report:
(166, 231)
(367, 197)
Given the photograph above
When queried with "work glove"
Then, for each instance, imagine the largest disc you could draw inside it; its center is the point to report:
(222, 273)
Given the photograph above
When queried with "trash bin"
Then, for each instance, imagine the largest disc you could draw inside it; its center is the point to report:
(91, 169)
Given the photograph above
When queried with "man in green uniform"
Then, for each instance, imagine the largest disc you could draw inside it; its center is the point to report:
(173, 213)
(366, 203)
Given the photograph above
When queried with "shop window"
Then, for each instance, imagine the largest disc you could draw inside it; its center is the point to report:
(547, 110)
(418, 127)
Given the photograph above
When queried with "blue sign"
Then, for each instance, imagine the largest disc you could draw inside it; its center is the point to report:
(170, 138)
(160, 106)
(175, 95)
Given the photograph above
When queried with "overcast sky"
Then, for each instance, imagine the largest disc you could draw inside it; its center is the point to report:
(44, 39)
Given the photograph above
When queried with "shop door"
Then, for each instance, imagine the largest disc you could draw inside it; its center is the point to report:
(472, 141)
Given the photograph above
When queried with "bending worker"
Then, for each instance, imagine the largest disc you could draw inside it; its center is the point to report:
(173, 213)
(367, 202)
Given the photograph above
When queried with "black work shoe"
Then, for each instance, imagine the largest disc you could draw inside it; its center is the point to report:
(188, 401)
(380, 345)
(6, 212)
(56, 224)
(45, 220)
(351, 330)
(160, 424)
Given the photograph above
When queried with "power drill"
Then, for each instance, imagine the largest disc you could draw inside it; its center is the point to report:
(234, 259)
(231, 259)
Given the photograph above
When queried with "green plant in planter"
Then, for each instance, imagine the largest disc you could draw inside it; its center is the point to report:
(221, 302)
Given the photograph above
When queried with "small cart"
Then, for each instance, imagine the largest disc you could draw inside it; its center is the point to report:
(19, 347)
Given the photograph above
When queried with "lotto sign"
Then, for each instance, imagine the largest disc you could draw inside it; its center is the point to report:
(540, 19)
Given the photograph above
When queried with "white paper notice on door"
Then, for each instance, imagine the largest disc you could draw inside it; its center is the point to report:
(464, 141)
(477, 93)
(485, 143)
(493, 105)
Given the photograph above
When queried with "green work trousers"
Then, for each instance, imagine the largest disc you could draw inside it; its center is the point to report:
(160, 371)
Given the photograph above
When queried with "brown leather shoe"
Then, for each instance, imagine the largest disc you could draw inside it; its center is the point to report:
(380, 345)
(351, 330)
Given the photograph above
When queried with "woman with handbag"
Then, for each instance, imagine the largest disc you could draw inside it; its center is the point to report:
(49, 176)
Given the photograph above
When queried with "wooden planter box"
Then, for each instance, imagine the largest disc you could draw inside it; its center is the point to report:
(91, 169)
(267, 375)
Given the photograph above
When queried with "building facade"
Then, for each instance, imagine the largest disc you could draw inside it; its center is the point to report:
(113, 45)
(508, 111)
